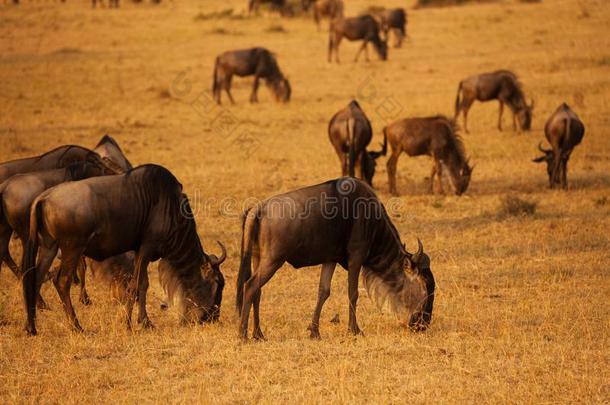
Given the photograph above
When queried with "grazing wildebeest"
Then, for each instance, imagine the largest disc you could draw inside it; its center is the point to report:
(56, 158)
(174, 289)
(394, 20)
(340, 221)
(363, 28)
(278, 5)
(501, 85)
(433, 136)
(327, 8)
(563, 130)
(21, 190)
(257, 62)
(143, 210)
(350, 132)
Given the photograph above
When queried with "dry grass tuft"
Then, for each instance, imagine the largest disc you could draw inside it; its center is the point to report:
(276, 28)
(513, 206)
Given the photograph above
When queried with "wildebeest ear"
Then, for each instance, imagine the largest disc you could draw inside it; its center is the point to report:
(539, 159)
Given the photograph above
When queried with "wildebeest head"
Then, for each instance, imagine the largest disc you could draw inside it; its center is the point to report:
(525, 115)
(381, 47)
(212, 274)
(548, 157)
(281, 89)
(369, 162)
(421, 293)
(461, 184)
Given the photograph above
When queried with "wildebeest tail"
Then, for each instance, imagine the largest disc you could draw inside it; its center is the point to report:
(215, 77)
(352, 147)
(250, 225)
(28, 263)
(457, 100)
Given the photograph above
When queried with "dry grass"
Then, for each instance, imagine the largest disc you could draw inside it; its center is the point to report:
(521, 313)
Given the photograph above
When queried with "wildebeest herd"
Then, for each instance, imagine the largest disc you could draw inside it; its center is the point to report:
(92, 209)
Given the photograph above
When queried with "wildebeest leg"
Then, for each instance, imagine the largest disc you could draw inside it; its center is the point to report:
(141, 280)
(432, 175)
(326, 276)
(352, 292)
(564, 172)
(439, 176)
(500, 115)
(227, 87)
(263, 272)
(5, 254)
(253, 96)
(81, 270)
(70, 257)
(391, 165)
(359, 168)
(556, 169)
(515, 129)
(466, 104)
(362, 48)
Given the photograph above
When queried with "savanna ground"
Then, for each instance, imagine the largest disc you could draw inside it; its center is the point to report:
(521, 310)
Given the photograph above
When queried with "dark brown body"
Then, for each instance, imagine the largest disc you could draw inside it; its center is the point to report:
(501, 85)
(144, 211)
(564, 131)
(350, 132)
(362, 28)
(327, 8)
(340, 221)
(432, 136)
(257, 62)
(394, 20)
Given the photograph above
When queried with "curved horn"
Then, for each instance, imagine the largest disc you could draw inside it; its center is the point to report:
(543, 150)
(420, 251)
(223, 255)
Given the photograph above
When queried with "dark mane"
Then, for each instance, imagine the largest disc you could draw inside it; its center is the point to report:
(458, 143)
(67, 149)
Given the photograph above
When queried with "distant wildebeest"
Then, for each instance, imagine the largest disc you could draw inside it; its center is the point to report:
(21, 190)
(174, 295)
(433, 136)
(564, 131)
(350, 132)
(394, 20)
(54, 159)
(327, 8)
(363, 28)
(143, 210)
(257, 62)
(501, 85)
(340, 221)
(278, 5)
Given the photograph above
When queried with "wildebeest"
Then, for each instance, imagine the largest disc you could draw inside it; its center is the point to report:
(21, 190)
(350, 132)
(501, 85)
(257, 62)
(394, 20)
(433, 136)
(327, 8)
(340, 221)
(563, 130)
(278, 5)
(56, 158)
(363, 28)
(173, 288)
(143, 210)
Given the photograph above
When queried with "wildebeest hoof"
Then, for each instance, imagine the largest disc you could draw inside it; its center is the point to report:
(356, 331)
(85, 301)
(258, 335)
(315, 332)
(163, 306)
(335, 319)
(146, 323)
(31, 331)
(41, 305)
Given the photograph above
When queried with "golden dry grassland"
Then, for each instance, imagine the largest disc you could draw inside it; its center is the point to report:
(522, 306)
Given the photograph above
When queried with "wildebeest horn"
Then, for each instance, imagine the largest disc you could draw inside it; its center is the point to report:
(223, 255)
(418, 255)
(543, 150)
